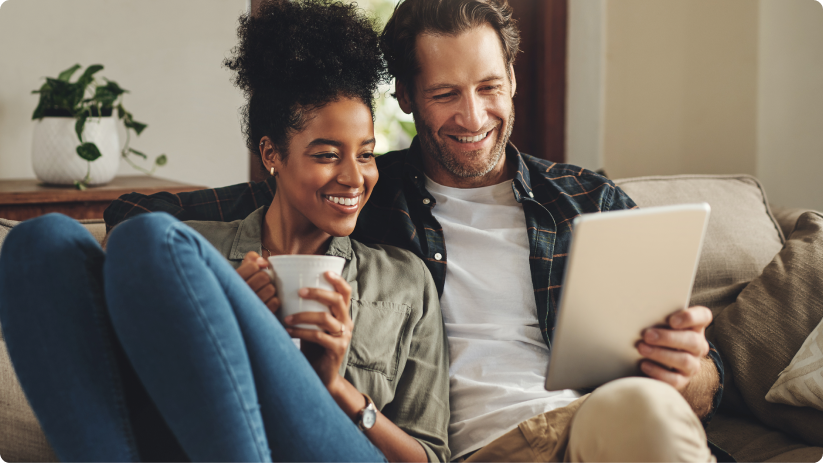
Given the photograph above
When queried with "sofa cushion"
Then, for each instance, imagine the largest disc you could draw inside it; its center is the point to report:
(742, 235)
(801, 383)
(759, 334)
(748, 440)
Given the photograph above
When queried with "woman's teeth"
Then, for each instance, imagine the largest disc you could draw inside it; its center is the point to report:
(474, 139)
(343, 201)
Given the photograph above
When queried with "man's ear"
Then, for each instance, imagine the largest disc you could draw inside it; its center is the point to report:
(403, 97)
(513, 79)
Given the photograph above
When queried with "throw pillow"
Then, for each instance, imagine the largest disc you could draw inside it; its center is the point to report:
(759, 333)
(801, 383)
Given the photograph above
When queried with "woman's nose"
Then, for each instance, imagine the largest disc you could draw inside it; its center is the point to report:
(350, 174)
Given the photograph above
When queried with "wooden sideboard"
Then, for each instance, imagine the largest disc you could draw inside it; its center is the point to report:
(24, 199)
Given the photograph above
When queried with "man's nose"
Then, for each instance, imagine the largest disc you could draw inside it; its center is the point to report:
(350, 174)
(472, 114)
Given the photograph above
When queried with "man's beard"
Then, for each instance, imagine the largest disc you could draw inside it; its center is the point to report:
(449, 160)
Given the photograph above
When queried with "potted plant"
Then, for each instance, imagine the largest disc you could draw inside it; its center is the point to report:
(75, 138)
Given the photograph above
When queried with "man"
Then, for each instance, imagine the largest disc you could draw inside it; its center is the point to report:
(505, 220)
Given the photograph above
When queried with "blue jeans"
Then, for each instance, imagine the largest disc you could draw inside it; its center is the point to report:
(158, 350)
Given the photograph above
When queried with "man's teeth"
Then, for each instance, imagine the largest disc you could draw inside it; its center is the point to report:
(474, 139)
(343, 201)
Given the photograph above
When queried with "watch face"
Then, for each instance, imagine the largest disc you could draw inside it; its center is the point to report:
(369, 417)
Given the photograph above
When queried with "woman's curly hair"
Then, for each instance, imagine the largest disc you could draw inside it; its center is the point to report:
(296, 56)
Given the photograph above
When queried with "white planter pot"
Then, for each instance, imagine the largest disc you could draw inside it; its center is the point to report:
(54, 150)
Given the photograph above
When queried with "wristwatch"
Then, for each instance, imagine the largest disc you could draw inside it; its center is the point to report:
(368, 416)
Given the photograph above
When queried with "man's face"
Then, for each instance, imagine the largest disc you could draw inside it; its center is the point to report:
(462, 103)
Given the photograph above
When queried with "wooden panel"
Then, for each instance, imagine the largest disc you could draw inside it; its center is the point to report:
(24, 199)
(540, 103)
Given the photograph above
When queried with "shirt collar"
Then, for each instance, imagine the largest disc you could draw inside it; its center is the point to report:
(521, 185)
(250, 233)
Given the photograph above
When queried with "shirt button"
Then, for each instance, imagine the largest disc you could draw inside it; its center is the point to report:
(426, 201)
(531, 195)
(438, 256)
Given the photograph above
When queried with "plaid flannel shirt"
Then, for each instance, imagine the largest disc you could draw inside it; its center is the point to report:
(399, 213)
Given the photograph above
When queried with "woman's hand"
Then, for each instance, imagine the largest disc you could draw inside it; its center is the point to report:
(325, 348)
(252, 271)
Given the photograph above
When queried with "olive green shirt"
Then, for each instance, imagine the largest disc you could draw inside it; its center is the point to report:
(398, 351)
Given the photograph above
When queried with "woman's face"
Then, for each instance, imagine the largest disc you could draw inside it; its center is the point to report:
(330, 170)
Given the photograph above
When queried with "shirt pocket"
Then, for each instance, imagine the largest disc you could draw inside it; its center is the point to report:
(379, 335)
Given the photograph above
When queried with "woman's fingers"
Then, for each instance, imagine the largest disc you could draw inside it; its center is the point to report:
(322, 320)
(337, 303)
(339, 284)
(259, 280)
(273, 304)
(327, 341)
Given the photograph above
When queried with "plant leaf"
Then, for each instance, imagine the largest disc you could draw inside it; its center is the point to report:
(78, 127)
(87, 76)
(80, 185)
(138, 127)
(114, 88)
(66, 75)
(142, 155)
(161, 160)
(104, 96)
(88, 151)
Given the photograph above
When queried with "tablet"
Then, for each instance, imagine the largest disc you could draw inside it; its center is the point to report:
(626, 271)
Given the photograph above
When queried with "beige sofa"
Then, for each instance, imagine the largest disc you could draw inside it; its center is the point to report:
(763, 283)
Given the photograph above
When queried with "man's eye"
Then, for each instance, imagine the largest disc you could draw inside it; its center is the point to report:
(443, 96)
(492, 88)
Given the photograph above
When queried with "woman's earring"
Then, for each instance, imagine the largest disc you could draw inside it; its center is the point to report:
(272, 172)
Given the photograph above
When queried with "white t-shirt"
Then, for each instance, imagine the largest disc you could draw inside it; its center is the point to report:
(498, 357)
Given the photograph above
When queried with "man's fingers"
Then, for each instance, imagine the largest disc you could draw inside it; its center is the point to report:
(673, 378)
(683, 362)
(686, 340)
(693, 318)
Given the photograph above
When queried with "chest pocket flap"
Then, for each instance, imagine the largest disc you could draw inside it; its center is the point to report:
(380, 337)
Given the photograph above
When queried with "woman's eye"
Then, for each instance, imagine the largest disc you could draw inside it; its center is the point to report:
(325, 155)
(367, 156)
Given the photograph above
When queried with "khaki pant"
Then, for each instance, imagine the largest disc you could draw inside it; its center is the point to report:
(630, 419)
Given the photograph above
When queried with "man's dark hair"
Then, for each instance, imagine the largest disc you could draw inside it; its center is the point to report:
(447, 17)
(295, 57)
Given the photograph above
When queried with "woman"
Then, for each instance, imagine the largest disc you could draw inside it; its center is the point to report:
(156, 349)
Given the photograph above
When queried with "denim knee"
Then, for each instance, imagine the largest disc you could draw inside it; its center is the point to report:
(45, 235)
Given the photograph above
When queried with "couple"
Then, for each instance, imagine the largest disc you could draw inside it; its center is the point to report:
(506, 217)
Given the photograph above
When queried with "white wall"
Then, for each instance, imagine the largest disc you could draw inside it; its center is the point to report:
(585, 92)
(790, 102)
(168, 53)
(700, 86)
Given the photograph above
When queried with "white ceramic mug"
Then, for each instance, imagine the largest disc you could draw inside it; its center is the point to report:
(292, 272)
